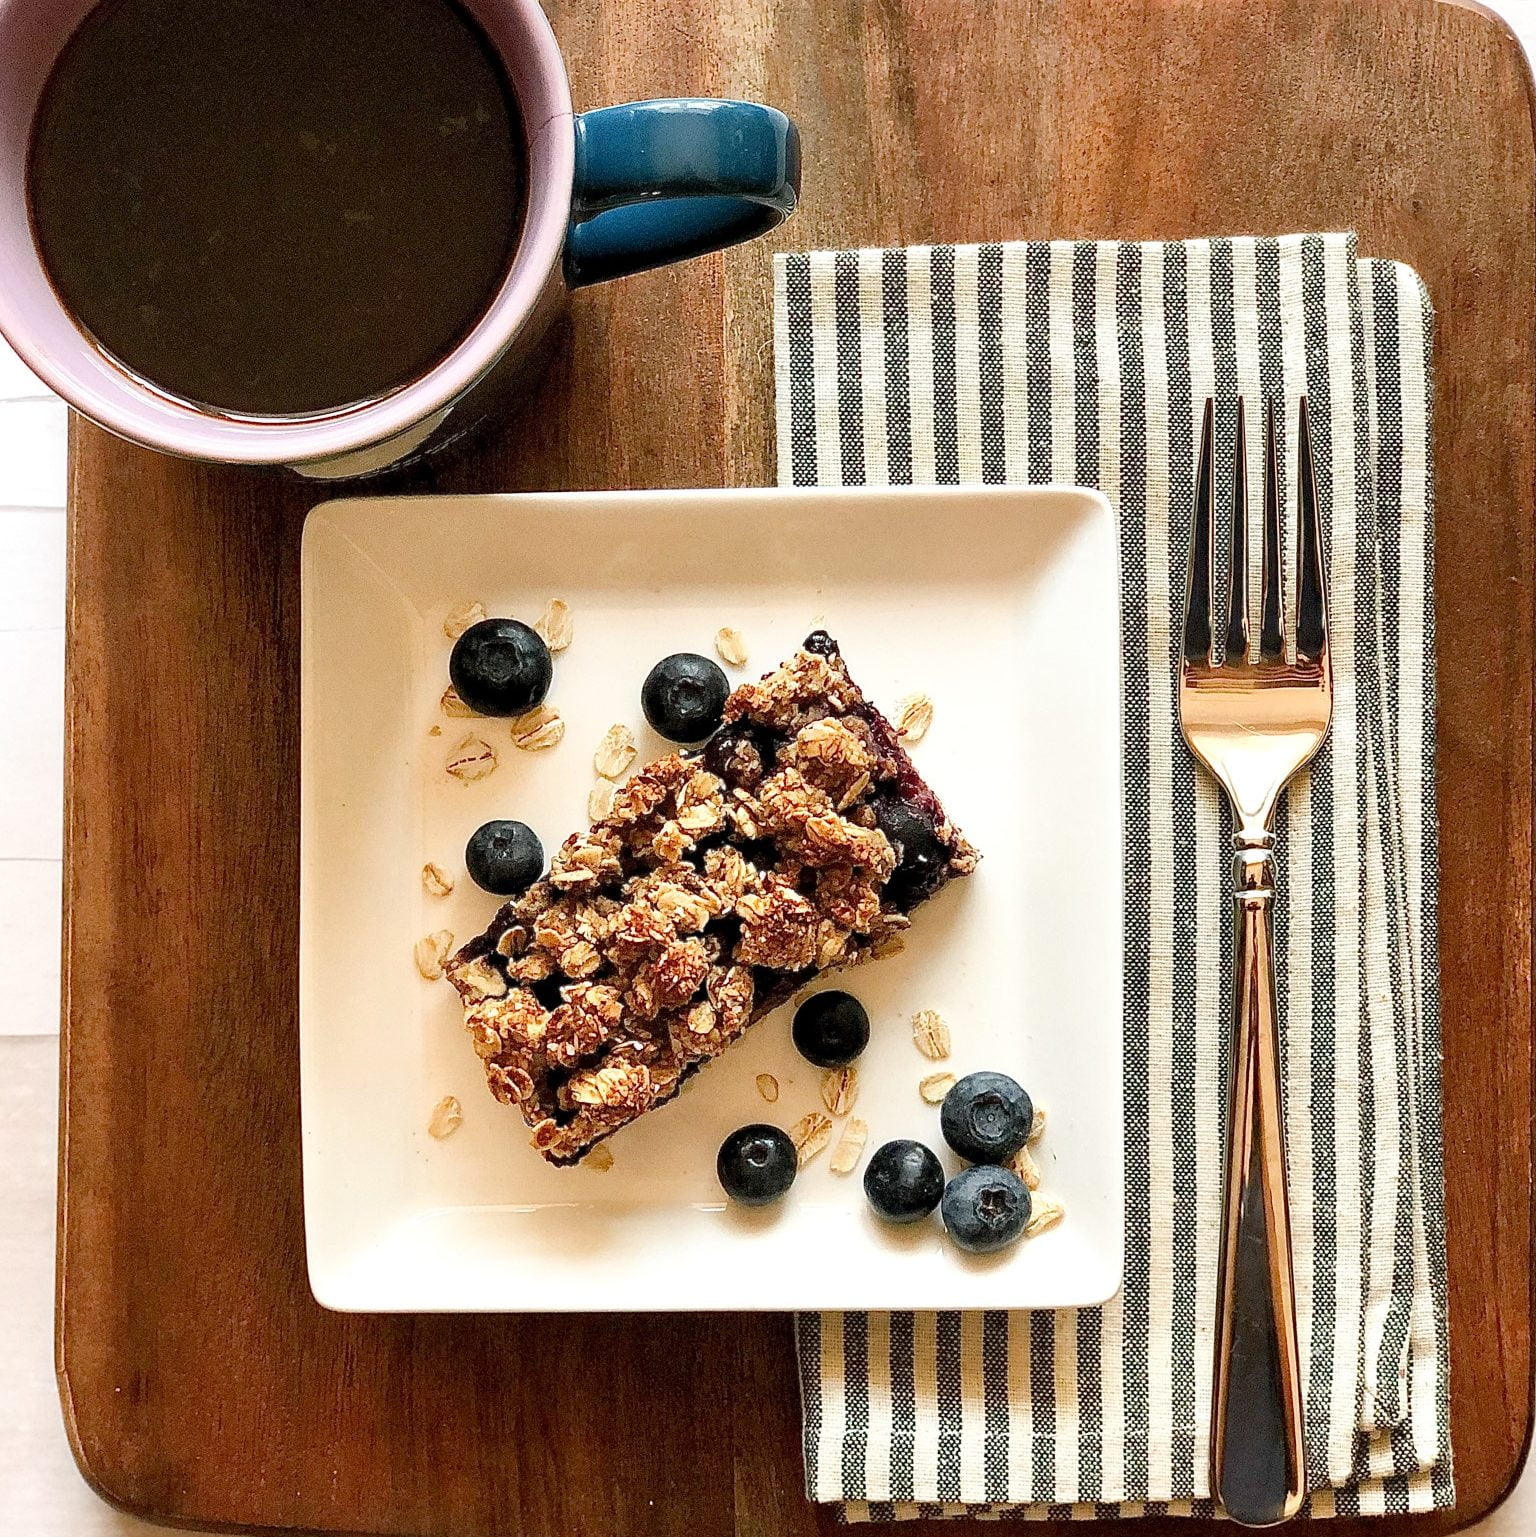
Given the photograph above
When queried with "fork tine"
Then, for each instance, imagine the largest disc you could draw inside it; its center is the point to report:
(1311, 595)
(1271, 622)
(1197, 605)
(1237, 567)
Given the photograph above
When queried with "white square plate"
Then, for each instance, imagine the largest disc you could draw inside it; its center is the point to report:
(999, 603)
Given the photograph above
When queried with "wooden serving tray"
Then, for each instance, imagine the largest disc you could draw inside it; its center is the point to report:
(201, 1384)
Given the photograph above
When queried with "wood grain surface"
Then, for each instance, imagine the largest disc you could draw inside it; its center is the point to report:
(200, 1382)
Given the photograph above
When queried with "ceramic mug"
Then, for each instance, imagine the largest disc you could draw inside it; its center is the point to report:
(610, 192)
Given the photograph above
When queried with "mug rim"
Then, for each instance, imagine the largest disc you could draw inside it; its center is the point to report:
(102, 389)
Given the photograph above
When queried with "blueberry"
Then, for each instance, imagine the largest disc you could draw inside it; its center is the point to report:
(920, 858)
(756, 1165)
(986, 1117)
(504, 857)
(684, 697)
(985, 1209)
(904, 1181)
(830, 1029)
(500, 667)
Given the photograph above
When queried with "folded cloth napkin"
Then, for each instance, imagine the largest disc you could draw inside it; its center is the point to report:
(1089, 363)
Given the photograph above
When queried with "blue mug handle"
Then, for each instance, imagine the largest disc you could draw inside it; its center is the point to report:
(660, 181)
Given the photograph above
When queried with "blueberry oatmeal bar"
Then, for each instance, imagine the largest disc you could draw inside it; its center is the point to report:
(797, 841)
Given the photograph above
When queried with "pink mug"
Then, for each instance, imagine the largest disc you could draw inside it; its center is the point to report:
(610, 192)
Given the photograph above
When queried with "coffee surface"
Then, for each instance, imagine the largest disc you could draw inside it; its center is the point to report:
(277, 207)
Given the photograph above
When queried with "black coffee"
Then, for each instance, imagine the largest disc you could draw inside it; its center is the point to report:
(277, 206)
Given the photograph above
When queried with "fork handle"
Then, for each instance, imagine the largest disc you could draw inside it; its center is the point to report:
(1257, 1450)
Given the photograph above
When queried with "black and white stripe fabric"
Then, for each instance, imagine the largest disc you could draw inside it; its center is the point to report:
(1089, 363)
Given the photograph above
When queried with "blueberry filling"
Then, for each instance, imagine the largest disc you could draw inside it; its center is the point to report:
(548, 991)
(921, 858)
(761, 852)
(555, 1079)
(727, 930)
(771, 988)
(483, 949)
(743, 752)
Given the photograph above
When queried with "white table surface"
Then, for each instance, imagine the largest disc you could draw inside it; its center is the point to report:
(41, 1493)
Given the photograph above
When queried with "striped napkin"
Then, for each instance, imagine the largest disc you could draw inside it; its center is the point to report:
(1089, 363)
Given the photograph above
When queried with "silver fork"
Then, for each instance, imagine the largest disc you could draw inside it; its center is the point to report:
(1254, 721)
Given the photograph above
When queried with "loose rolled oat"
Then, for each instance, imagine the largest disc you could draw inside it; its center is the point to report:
(810, 1134)
(914, 718)
(461, 616)
(472, 759)
(447, 1117)
(600, 1158)
(935, 1086)
(1045, 1213)
(731, 647)
(1026, 1168)
(431, 952)
(437, 881)
(1037, 1126)
(839, 1089)
(452, 705)
(768, 1087)
(615, 752)
(600, 800)
(850, 1147)
(930, 1035)
(537, 730)
(554, 624)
